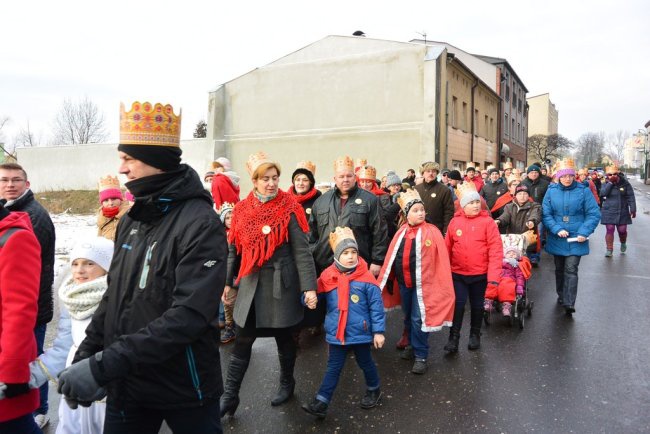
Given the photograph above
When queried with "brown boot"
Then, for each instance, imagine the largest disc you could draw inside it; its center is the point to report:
(404, 340)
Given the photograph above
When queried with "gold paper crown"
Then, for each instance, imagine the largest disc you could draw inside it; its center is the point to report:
(507, 165)
(464, 188)
(340, 234)
(226, 206)
(108, 182)
(408, 197)
(367, 172)
(360, 162)
(564, 164)
(256, 160)
(510, 178)
(305, 164)
(611, 170)
(148, 124)
(343, 163)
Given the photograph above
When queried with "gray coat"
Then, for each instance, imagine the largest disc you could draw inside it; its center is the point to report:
(277, 286)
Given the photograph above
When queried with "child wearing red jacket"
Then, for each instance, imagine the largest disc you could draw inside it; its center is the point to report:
(475, 253)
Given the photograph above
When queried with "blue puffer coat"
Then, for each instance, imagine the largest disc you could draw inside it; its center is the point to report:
(618, 202)
(575, 204)
(365, 316)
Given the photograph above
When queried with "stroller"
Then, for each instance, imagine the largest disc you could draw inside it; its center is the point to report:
(522, 305)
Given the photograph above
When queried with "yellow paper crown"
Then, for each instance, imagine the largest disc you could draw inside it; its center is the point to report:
(565, 165)
(367, 172)
(507, 165)
(108, 182)
(340, 234)
(407, 198)
(360, 162)
(226, 206)
(511, 177)
(343, 163)
(464, 188)
(611, 170)
(150, 124)
(305, 164)
(256, 160)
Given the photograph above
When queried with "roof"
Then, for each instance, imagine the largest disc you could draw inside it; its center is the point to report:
(502, 61)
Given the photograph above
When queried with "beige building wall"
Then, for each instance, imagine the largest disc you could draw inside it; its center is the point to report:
(339, 96)
(542, 115)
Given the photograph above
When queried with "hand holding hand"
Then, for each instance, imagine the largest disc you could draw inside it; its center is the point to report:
(530, 225)
(633, 214)
(563, 234)
(78, 382)
(375, 269)
(496, 221)
(379, 340)
(311, 299)
(225, 296)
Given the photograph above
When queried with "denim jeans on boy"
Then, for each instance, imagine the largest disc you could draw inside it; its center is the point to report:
(39, 334)
(411, 308)
(335, 363)
(566, 278)
(195, 420)
(20, 425)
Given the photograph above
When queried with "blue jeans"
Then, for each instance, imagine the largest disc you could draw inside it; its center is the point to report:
(39, 334)
(335, 363)
(196, 420)
(411, 307)
(222, 312)
(566, 278)
(21, 425)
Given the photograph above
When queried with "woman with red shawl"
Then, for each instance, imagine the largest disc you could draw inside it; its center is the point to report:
(269, 234)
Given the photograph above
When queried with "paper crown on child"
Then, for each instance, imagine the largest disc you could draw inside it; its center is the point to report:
(359, 163)
(256, 160)
(507, 165)
(565, 166)
(407, 199)
(150, 124)
(307, 165)
(224, 210)
(466, 193)
(343, 163)
(342, 235)
(367, 172)
(109, 188)
(611, 170)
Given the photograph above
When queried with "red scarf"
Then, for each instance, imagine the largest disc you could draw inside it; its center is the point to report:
(332, 278)
(502, 201)
(110, 211)
(301, 198)
(376, 190)
(252, 218)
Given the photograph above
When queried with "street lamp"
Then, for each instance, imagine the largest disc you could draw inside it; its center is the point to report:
(646, 150)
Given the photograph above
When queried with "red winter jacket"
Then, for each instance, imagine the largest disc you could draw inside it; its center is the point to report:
(20, 268)
(223, 190)
(478, 182)
(474, 245)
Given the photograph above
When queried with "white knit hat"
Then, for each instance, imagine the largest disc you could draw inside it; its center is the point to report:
(225, 163)
(98, 249)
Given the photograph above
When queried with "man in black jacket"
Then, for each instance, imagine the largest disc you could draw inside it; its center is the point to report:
(14, 188)
(153, 341)
(437, 200)
(348, 205)
(494, 187)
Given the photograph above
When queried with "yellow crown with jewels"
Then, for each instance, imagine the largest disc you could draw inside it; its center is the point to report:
(367, 172)
(256, 160)
(360, 162)
(406, 199)
(340, 234)
(108, 182)
(611, 170)
(305, 164)
(150, 124)
(512, 177)
(507, 165)
(343, 163)
(226, 206)
(565, 163)
(464, 188)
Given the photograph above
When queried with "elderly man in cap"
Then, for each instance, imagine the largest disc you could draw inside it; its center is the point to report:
(152, 344)
(438, 203)
(351, 206)
(493, 188)
(537, 186)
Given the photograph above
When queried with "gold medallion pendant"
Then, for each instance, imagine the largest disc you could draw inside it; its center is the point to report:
(354, 298)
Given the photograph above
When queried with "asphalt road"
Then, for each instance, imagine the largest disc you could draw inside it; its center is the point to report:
(586, 374)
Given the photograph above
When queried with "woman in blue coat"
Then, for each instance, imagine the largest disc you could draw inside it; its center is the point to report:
(618, 208)
(570, 214)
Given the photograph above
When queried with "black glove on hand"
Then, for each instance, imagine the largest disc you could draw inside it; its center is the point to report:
(78, 382)
(12, 390)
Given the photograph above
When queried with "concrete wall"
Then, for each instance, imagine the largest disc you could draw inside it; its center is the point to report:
(339, 96)
(542, 116)
(79, 167)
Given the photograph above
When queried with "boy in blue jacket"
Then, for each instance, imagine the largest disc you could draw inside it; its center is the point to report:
(355, 319)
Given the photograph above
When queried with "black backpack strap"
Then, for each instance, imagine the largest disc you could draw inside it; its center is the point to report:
(7, 234)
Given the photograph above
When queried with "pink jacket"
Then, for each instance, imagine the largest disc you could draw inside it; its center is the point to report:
(515, 274)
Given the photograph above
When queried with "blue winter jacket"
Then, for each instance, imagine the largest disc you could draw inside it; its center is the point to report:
(573, 209)
(365, 314)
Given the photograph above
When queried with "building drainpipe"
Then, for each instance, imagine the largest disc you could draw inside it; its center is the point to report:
(471, 149)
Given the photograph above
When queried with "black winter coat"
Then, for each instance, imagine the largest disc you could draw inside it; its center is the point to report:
(362, 213)
(157, 323)
(491, 191)
(438, 203)
(44, 230)
(617, 201)
(537, 189)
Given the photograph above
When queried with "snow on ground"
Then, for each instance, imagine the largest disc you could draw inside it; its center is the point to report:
(70, 228)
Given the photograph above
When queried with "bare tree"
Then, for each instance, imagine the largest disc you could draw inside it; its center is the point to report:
(78, 123)
(590, 149)
(542, 147)
(616, 145)
(26, 138)
(3, 148)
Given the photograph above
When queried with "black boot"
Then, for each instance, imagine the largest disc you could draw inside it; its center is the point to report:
(287, 383)
(454, 332)
(316, 408)
(230, 398)
(371, 398)
(475, 329)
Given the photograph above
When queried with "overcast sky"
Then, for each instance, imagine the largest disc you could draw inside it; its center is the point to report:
(592, 57)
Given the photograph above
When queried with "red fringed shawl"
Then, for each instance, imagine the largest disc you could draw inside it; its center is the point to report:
(301, 198)
(258, 228)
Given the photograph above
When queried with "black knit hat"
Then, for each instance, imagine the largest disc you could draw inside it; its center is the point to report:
(165, 158)
(455, 175)
(307, 173)
(492, 170)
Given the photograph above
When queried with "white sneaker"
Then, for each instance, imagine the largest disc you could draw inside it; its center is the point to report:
(41, 420)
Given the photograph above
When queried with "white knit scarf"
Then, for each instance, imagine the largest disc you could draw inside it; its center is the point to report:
(82, 299)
